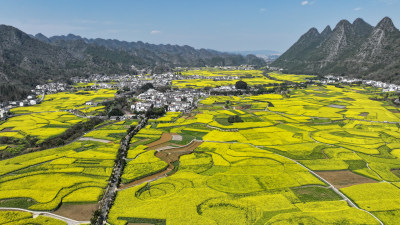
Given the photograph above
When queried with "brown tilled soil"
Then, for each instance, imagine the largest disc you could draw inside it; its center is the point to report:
(344, 178)
(169, 156)
(165, 137)
(394, 110)
(191, 117)
(8, 129)
(148, 178)
(242, 107)
(77, 212)
(172, 155)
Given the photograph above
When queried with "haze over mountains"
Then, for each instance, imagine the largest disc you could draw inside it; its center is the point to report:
(352, 49)
(27, 60)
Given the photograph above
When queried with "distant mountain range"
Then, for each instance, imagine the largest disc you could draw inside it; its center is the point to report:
(352, 49)
(27, 60)
(267, 55)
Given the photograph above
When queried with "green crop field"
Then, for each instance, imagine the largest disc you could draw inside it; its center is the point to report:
(203, 78)
(259, 171)
(22, 218)
(75, 173)
(50, 118)
(283, 160)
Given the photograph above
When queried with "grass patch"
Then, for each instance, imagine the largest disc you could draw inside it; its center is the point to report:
(312, 194)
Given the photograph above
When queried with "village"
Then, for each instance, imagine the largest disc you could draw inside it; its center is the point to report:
(175, 100)
(386, 87)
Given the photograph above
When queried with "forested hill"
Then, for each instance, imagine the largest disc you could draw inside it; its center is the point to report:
(27, 60)
(352, 49)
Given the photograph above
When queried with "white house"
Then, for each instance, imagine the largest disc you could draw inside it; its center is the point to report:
(2, 113)
(141, 106)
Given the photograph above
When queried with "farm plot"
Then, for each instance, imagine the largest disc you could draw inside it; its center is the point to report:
(40, 125)
(22, 218)
(67, 101)
(238, 175)
(210, 78)
(73, 174)
(291, 77)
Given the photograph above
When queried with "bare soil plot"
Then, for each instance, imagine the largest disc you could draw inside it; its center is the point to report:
(337, 106)
(344, 178)
(169, 156)
(172, 155)
(176, 137)
(148, 178)
(394, 110)
(8, 129)
(242, 107)
(165, 137)
(80, 212)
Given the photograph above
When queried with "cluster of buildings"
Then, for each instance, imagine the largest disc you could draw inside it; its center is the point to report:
(224, 89)
(6, 106)
(50, 88)
(386, 87)
(175, 101)
(241, 67)
(212, 77)
(129, 81)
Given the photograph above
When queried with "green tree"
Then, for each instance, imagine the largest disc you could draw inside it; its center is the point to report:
(241, 85)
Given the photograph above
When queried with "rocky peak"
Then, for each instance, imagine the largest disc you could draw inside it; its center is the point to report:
(362, 28)
(357, 49)
(11, 35)
(343, 24)
(42, 38)
(359, 22)
(326, 32)
(311, 35)
(313, 32)
(386, 24)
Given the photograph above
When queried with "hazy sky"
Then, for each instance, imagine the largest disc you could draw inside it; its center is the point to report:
(224, 25)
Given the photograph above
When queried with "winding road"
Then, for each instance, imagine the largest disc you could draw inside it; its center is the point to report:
(48, 214)
(343, 196)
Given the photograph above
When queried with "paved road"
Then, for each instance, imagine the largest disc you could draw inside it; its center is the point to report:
(94, 139)
(48, 214)
(343, 196)
(112, 187)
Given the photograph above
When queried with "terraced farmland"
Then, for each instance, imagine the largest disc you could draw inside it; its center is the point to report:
(322, 155)
(32, 125)
(252, 77)
(68, 179)
(318, 155)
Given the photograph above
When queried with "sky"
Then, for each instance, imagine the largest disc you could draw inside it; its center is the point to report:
(224, 25)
